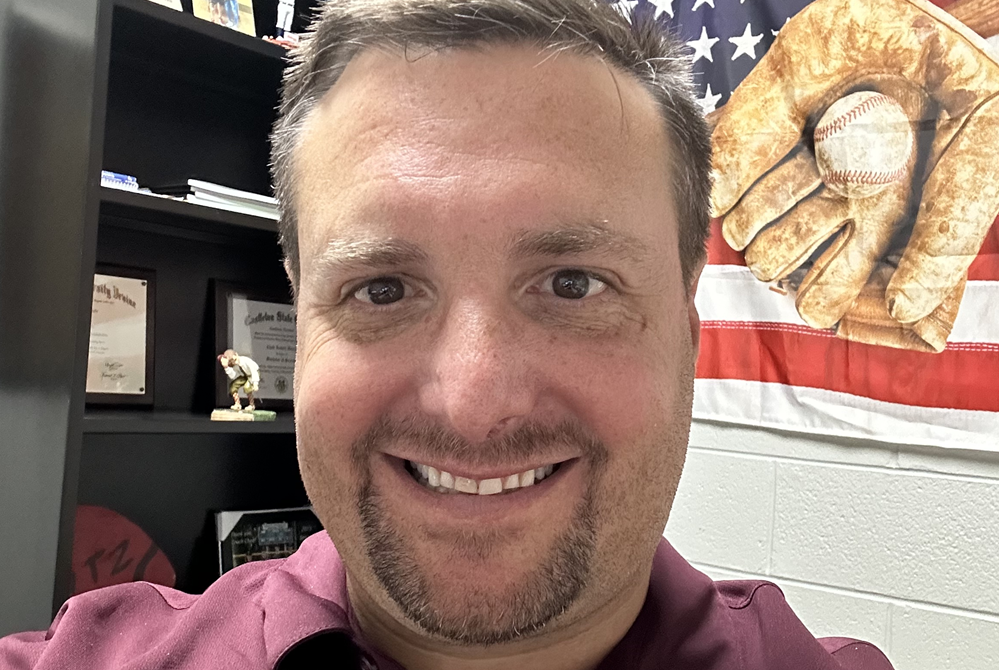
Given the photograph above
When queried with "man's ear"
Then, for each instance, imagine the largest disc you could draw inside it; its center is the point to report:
(692, 315)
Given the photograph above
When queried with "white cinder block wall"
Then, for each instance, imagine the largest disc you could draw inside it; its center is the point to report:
(895, 545)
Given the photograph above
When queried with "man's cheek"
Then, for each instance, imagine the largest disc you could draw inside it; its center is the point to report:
(617, 393)
(338, 387)
(331, 483)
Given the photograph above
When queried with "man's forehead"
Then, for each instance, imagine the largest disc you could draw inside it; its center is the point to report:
(509, 94)
(559, 142)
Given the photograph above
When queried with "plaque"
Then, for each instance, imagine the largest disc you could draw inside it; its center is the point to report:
(259, 324)
(120, 360)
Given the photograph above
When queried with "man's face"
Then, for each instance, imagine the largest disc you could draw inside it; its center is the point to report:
(490, 284)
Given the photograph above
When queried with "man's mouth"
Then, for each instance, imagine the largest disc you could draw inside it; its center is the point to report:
(444, 482)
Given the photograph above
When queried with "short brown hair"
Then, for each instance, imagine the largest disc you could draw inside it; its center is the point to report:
(638, 44)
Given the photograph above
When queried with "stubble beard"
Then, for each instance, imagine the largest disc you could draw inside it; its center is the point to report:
(521, 611)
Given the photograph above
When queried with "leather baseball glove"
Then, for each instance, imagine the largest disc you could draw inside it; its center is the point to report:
(889, 269)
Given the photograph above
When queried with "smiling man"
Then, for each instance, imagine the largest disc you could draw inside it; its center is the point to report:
(494, 221)
(496, 345)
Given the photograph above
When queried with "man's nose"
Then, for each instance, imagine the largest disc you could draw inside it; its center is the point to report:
(480, 382)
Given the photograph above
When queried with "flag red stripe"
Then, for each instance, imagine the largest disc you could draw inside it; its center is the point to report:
(959, 378)
(985, 267)
(719, 253)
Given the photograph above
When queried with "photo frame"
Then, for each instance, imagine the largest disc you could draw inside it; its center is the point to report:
(257, 322)
(259, 535)
(235, 14)
(120, 361)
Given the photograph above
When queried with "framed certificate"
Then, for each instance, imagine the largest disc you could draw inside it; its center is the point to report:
(260, 324)
(120, 360)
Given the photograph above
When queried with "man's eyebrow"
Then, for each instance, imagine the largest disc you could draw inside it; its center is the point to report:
(580, 239)
(373, 253)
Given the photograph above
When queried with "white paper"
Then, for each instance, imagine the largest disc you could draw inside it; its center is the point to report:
(117, 361)
(265, 332)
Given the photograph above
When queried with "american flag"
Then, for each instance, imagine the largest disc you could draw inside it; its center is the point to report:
(759, 363)
(726, 37)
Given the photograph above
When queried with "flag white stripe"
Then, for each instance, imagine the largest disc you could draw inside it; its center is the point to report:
(811, 410)
(732, 293)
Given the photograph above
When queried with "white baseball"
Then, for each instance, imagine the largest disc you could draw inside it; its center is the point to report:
(863, 144)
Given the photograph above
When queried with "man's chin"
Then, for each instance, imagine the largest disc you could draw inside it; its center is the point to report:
(471, 593)
(485, 593)
(479, 617)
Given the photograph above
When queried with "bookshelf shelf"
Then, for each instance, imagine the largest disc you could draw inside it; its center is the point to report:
(169, 212)
(177, 423)
(148, 23)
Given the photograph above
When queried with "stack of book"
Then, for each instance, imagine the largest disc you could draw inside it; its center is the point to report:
(222, 197)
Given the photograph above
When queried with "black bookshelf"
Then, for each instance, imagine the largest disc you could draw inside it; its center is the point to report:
(159, 94)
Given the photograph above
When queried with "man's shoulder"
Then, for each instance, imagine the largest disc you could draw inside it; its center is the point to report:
(259, 610)
(770, 629)
(696, 622)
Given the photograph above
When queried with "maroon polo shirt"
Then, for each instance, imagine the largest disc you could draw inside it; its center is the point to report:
(294, 613)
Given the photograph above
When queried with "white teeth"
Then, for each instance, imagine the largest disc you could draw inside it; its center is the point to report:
(488, 487)
(466, 485)
(444, 482)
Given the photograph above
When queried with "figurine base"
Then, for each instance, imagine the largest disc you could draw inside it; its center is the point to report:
(243, 415)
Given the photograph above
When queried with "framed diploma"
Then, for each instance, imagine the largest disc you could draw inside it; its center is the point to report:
(120, 361)
(260, 324)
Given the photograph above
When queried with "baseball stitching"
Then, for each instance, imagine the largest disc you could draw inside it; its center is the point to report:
(849, 177)
(837, 124)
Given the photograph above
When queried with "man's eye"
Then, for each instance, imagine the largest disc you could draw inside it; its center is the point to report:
(381, 291)
(575, 284)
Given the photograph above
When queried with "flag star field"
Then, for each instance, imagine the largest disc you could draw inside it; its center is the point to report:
(726, 38)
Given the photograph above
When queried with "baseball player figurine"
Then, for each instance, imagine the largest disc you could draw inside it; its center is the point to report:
(285, 13)
(243, 373)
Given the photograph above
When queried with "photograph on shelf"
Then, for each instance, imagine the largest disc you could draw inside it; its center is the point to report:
(235, 14)
(256, 324)
(259, 535)
(120, 359)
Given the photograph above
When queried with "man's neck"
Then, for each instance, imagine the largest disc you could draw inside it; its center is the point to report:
(579, 646)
